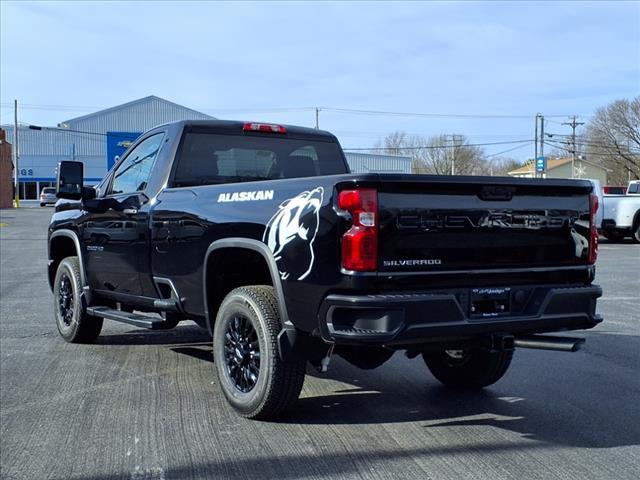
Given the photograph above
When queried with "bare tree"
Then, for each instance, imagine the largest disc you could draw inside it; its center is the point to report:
(501, 166)
(613, 139)
(439, 155)
(395, 142)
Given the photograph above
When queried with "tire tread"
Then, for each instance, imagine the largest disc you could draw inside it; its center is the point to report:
(88, 326)
(287, 378)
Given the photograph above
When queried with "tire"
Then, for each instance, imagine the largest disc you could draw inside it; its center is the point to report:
(613, 236)
(469, 369)
(253, 378)
(73, 323)
(635, 232)
(42, 204)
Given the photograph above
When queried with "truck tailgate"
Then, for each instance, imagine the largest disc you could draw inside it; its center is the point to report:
(460, 223)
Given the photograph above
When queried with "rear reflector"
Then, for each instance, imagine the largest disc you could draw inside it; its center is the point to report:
(263, 127)
(360, 242)
(593, 230)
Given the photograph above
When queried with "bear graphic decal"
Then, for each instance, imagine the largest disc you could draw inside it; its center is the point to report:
(291, 231)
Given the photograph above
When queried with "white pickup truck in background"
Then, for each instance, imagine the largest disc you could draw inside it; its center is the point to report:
(622, 214)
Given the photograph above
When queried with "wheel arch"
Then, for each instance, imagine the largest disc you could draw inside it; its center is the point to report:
(258, 250)
(64, 243)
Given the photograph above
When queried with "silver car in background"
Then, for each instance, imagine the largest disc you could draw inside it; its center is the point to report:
(48, 196)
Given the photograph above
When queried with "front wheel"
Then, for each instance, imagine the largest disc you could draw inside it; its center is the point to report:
(253, 378)
(474, 368)
(72, 320)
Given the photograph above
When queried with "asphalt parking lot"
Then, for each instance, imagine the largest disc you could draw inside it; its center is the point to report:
(144, 405)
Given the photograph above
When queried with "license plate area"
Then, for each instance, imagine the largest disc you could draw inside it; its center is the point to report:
(490, 302)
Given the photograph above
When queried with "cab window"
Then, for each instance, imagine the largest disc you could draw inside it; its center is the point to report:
(211, 158)
(133, 173)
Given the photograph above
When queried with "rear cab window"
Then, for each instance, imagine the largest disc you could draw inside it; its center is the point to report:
(211, 158)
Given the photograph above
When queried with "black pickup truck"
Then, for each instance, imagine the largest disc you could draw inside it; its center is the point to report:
(259, 233)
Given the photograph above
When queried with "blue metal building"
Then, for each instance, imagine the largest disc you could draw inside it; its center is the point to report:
(85, 139)
(96, 138)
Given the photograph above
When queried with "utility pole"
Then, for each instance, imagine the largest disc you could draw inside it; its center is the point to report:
(454, 139)
(535, 156)
(317, 117)
(15, 154)
(541, 143)
(573, 124)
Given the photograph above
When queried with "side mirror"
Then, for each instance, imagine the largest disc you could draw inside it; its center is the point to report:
(70, 180)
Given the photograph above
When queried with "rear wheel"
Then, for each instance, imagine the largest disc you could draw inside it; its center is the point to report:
(74, 324)
(613, 236)
(473, 368)
(635, 234)
(253, 378)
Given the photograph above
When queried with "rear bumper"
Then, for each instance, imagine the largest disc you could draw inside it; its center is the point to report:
(425, 317)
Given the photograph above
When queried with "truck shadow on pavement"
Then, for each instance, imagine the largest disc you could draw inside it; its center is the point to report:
(183, 334)
(554, 404)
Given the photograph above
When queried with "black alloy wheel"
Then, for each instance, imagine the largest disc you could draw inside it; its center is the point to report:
(242, 353)
(65, 300)
(72, 320)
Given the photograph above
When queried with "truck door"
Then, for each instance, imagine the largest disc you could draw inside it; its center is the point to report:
(117, 240)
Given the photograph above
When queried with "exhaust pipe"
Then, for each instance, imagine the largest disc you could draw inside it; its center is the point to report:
(544, 342)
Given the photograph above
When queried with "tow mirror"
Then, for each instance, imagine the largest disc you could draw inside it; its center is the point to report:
(70, 180)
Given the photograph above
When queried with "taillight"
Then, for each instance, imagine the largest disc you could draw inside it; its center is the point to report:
(263, 127)
(360, 242)
(593, 230)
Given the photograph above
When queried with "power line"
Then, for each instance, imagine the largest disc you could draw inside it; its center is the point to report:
(509, 150)
(430, 115)
(428, 147)
(368, 134)
(589, 143)
(566, 149)
(82, 108)
(71, 130)
(35, 106)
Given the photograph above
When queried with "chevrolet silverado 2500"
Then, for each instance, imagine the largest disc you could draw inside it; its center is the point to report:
(259, 233)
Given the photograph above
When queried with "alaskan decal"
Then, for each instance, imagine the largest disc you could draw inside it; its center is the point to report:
(291, 231)
(245, 196)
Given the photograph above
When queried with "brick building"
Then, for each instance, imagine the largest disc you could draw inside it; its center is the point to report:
(6, 172)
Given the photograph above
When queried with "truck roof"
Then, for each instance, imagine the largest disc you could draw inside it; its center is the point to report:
(235, 127)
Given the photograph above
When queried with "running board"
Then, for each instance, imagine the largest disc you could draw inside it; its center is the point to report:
(135, 319)
(547, 342)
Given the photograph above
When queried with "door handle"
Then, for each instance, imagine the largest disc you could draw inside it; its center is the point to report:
(130, 211)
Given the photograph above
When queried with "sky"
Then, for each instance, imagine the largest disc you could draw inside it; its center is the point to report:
(487, 67)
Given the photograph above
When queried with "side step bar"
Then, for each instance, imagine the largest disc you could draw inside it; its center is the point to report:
(546, 342)
(125, 317)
